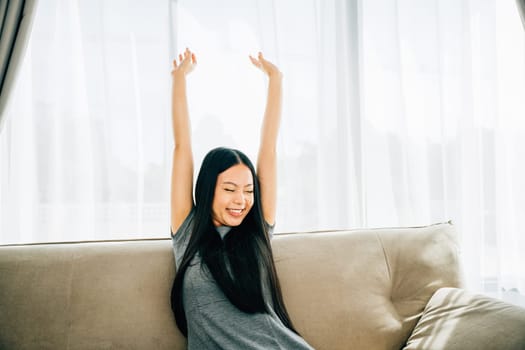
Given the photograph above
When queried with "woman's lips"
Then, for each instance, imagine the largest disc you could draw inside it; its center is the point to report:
(235, 212)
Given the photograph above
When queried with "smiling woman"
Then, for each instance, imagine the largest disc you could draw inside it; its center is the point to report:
(221, 240)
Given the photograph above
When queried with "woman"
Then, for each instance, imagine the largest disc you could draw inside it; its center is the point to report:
(226, 294)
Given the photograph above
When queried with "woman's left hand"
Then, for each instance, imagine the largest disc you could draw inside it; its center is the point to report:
(266, 66)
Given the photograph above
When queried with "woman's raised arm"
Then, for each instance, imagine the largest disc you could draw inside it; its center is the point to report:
(267, 157)
(182, 166)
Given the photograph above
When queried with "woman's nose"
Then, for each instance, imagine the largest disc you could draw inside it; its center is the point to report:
(239, 198)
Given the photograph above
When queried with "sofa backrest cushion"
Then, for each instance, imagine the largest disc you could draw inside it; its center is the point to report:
(105, 295)
(364, 289)
(358, 289)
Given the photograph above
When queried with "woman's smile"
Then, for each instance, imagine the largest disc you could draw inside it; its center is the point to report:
(235, 212)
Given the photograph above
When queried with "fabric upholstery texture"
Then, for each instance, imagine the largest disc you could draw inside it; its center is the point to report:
(108, 295)
(357, 289)
(364, 289)
(456, 319)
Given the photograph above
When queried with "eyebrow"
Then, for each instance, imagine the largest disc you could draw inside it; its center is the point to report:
(234, 184)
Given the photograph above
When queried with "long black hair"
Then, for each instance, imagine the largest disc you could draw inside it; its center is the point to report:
(242, 263)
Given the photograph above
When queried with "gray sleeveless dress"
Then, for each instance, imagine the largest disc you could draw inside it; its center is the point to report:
(215, 323)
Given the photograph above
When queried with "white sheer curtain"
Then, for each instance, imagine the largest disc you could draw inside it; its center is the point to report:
(443, 85)
(396, 113)
(85, 152)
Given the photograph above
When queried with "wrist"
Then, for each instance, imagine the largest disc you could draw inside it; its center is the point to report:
(276, 75)
(178, 75)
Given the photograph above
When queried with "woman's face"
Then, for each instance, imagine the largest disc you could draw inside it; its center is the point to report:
(233, 197)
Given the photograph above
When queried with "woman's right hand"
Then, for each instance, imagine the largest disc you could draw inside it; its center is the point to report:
(187, 61)
(266, 66)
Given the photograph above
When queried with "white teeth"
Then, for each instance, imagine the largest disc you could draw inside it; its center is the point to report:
(238, 211)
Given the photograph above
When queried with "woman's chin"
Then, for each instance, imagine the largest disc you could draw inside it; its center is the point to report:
(233, 221)
(229, 220)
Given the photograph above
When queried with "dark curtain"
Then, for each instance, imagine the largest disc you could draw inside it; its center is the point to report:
(521, 9)
(16, 17)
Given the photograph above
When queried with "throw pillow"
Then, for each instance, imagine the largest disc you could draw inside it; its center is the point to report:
(457, 319)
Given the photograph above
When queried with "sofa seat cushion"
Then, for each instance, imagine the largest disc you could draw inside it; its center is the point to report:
(458, 319)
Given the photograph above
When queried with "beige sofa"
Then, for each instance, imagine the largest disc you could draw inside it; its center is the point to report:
(359, 289)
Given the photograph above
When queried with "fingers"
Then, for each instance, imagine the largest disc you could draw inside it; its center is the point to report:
(185, 61)
(186, 55)
(262, 60)
(266, 66)
(190, 56)
(255, 62)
